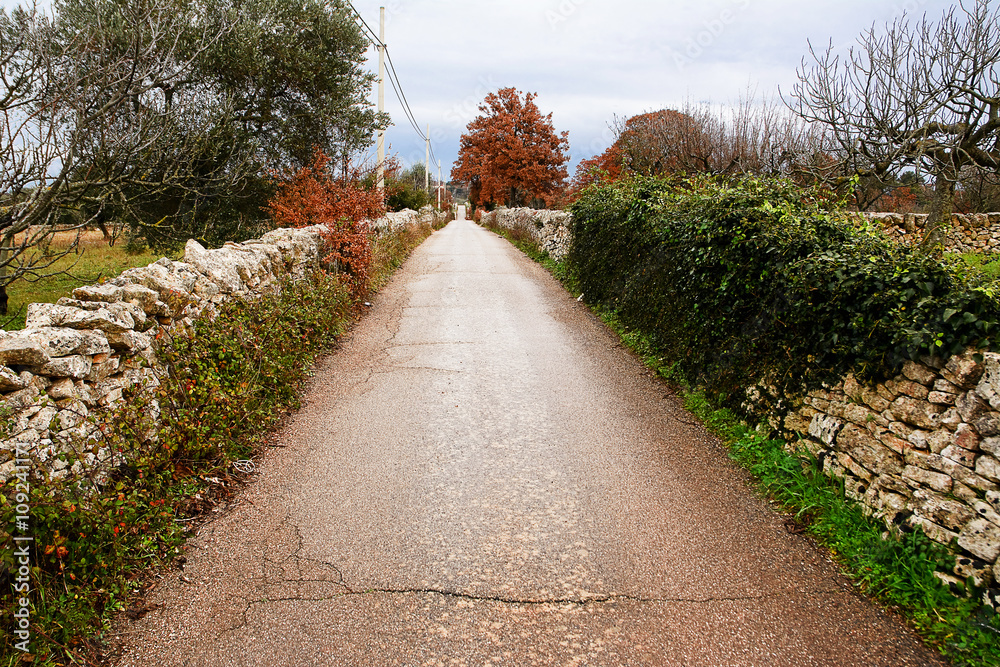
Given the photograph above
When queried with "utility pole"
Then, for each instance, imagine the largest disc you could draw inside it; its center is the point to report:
(427, 161)
(439, 185)
(381, 98)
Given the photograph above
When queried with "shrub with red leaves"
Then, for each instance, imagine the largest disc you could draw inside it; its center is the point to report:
(311, 196)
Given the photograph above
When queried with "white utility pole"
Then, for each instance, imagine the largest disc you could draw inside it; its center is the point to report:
(381, 98)
(439, 185)
(427, 161)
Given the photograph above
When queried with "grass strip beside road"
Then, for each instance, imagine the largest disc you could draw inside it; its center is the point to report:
(92, 260)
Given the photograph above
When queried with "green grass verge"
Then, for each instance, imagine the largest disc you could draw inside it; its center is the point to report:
(896, 571)
(97, 544)
(92, 261)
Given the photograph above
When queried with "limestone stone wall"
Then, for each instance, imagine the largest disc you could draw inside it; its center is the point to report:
(399, 219)
(920, 451)
(550, 229)
(68, 368)
(975, 232)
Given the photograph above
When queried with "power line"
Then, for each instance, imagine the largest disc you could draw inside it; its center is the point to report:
(393, 77)
(374, 38)
(398, 89)
(402, 96)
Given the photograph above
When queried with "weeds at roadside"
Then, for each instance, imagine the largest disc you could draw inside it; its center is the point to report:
(897, 571)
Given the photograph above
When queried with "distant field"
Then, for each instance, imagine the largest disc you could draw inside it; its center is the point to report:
(91, 261)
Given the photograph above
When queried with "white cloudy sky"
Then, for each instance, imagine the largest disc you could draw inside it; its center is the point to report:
(592, 60)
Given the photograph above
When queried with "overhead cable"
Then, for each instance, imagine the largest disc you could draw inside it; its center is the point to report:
(393, 77)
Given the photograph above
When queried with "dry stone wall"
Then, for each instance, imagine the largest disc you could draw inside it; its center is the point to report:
(398, 219)
(974, 232)
(66, 371)
(920, 451)
(550, 229)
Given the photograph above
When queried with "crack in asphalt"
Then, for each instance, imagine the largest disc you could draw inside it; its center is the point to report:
(348, 591)
(421, 368)
(277, 581)
(444, 343)
(596, 600)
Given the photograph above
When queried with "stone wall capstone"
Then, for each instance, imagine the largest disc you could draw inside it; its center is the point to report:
(74, 359)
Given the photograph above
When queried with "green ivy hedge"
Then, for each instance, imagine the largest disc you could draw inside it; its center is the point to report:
(759, 282)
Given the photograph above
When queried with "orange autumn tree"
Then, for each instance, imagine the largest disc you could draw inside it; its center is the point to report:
(603, 168)
(311, 196)
(655, 143)
(511, 154)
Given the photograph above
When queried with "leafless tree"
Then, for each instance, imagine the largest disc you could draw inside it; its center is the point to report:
(925, 96)
(91, 118)
(751, 137)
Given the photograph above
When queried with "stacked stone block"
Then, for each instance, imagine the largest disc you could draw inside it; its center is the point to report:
(550, 229)
(973, 232)
(921, 450)
(66, 371)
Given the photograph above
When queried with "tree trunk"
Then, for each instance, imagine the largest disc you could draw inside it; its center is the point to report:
(5, 245)
(939, 219)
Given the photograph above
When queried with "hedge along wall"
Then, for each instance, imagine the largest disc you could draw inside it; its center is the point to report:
(854, 347)
(67, 370)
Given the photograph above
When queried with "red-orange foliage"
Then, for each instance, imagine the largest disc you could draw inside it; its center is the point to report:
(752, 138)
(666, 141)
(310, 196)
(603, 168)
(897, 200)
(511, 154)
(653, 143)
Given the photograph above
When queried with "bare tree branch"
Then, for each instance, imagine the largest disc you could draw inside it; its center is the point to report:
(925, 96)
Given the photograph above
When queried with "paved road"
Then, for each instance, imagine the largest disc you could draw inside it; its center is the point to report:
(482, 476)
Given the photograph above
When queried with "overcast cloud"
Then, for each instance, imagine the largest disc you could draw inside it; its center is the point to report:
(592, 60)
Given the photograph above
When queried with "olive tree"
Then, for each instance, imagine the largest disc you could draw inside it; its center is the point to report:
(924, 96)
(89, 121)
(295, 72)
(165, 117)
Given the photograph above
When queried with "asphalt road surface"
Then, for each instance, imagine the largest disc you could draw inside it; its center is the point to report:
(483, 476)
